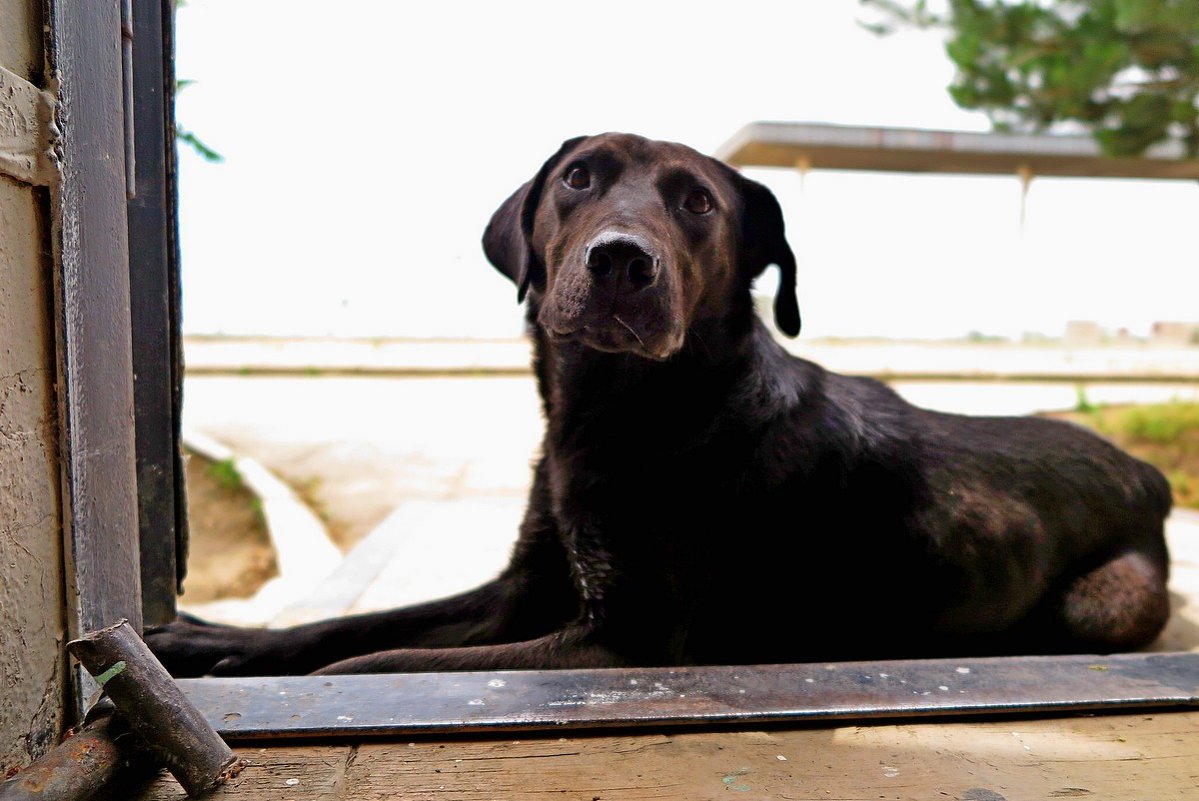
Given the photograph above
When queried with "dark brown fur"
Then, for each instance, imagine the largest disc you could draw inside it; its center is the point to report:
(705, 497)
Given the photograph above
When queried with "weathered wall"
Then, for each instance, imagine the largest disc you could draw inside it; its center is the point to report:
(21, 37)
(32, 666)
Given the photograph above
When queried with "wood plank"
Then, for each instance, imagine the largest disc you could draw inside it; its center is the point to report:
(1142, 756)
(849, 147)
(153, 277)
(95, 373)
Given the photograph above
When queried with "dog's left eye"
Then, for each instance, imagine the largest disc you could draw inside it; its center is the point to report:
(578, 178)
(698, 201)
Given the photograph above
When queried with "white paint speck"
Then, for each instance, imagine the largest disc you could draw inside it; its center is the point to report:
(890, 771)
(345, 718)
(884, 675)
(475, 702)
(809, 681)
(963, 670)
(943, 688)
(496, 683)
(292, 782)
(781, 758)
(633, 682)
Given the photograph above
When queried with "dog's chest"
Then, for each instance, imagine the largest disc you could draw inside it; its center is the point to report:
(640, 517)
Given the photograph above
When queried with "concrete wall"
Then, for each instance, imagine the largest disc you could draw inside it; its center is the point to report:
(32, 615)
(21, 37)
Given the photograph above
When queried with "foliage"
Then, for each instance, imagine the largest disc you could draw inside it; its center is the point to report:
(1127, 70)
(1162, 424)
(185, 136)
(1084, 403)
(202, 150)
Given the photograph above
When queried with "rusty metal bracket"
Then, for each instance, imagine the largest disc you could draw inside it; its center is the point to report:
(74, 771)
(173, 731)
(440, 703)
(145, 722)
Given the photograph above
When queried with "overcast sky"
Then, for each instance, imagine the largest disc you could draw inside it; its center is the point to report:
(367, 144)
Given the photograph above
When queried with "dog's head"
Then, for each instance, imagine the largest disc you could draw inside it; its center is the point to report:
(628, 243)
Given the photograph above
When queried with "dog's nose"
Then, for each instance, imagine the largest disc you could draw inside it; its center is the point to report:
(624, 262)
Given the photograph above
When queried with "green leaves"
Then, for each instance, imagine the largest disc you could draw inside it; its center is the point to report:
(190, 139)
(202, 150)
(1126, 69)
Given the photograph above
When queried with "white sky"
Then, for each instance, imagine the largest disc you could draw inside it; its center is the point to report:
(367, 144)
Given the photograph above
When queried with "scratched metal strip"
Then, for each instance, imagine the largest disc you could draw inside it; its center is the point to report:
(302, 706)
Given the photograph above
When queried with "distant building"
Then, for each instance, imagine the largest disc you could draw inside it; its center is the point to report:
(1174, 333)
(1080, 333)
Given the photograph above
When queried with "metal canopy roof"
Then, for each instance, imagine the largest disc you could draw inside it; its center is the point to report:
(844, 147)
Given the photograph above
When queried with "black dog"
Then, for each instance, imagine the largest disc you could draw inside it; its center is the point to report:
(704, 497)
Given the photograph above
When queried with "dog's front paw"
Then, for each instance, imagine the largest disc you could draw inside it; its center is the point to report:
(188, 647)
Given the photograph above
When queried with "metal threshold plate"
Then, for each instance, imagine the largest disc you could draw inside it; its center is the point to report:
(311, 706)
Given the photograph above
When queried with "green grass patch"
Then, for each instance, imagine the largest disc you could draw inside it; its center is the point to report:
(225, 474)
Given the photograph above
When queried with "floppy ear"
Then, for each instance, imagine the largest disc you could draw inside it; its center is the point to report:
(764, 242)
(508, 240)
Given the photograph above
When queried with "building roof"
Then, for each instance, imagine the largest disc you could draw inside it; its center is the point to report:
(844, 147)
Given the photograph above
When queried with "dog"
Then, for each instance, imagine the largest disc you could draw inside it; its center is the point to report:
(702, 496)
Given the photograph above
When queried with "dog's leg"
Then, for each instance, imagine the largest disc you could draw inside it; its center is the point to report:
(572, 647)
(1118, 606)
(533, 597)
(191, 647)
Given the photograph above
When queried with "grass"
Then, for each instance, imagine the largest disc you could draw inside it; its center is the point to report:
(1165, 434)
(225, 474)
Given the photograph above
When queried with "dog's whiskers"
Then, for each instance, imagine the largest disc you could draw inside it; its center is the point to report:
(616, 317)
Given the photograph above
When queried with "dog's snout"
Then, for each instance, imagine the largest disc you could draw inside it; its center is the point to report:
(625, 262)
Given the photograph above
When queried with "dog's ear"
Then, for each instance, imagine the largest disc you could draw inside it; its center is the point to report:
(764, 242)
(508, 240)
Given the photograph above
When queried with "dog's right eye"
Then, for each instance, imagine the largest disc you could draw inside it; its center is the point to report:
(578, 177)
